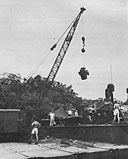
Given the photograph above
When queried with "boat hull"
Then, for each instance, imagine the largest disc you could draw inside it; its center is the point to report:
(111, 133)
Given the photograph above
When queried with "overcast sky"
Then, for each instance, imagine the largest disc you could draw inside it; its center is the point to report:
(28, 28)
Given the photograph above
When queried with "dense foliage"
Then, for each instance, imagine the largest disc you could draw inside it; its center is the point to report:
(16, 92)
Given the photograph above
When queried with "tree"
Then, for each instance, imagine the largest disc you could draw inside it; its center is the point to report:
(16, 92)
(9, 90)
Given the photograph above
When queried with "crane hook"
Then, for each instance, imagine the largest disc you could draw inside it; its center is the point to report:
(83, 50)
(83, 41)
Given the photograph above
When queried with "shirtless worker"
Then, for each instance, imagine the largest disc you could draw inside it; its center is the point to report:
(35, 125)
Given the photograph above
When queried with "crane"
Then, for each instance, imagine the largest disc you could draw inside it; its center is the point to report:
(57, 63)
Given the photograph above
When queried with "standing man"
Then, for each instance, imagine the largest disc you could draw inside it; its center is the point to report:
(116, 112)
(52, 118)
(70, 112)
(34, 133)
(92, 111)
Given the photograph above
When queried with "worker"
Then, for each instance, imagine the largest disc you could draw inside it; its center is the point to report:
(116, 112)
(52, 118)
(76, 113)
(92, 111)
(34, 133)
(69, 112)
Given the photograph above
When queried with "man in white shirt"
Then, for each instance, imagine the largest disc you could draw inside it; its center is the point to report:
(69, 112)
(116, 112)
(52, 118)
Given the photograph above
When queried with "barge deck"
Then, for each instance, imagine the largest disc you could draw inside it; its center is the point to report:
(60, 150)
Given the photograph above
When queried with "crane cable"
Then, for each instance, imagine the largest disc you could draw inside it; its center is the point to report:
(83, 41)
(54, 46)
(83, 38)
(36, 68)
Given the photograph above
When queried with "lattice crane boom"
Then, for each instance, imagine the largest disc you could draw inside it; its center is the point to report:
(57, 62)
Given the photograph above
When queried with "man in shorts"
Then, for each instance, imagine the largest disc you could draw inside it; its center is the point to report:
(116, 112)
(52, 118)
(34, 133)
